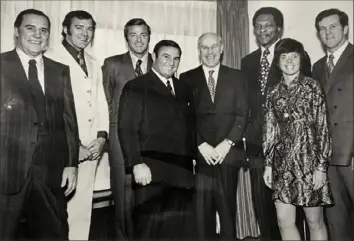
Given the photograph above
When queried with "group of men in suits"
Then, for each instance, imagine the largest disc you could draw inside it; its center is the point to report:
(54, 124)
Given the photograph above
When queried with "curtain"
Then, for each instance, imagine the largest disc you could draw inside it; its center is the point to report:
(232, 25)
(181, 21)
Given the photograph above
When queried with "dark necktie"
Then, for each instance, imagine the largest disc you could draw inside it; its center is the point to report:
(263, 75)
(169, 87)
(330, 64)
(211, 85)
(81, 62)
(138, 71)
(33, 77)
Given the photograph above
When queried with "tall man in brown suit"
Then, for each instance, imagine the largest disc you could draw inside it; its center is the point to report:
(335, 71)
(117, 71)
(39, 135)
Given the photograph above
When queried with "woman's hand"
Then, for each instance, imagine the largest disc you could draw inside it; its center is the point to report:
(267, 176)
(319, 179)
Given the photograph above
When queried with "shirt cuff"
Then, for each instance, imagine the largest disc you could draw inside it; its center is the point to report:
(102, 134)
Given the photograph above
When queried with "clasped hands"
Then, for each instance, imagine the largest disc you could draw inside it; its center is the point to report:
(213, 156)
(93, 150)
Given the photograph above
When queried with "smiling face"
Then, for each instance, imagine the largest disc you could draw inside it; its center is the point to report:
(138, 39)
(33, 34)
(332, 33)
(210, 50)
(167, 61)
(80, 33)
(289, 63)
(266, 30)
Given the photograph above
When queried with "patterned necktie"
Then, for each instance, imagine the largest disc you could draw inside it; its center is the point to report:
(211, 85)
(33, 76)
(82, 62)
(138, 71)
(330, 64)
(169, 87)
(264, 71)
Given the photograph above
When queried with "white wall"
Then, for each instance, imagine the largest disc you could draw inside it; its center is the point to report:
(299, 21)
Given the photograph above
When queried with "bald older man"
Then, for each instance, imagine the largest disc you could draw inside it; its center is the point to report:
(221, 107)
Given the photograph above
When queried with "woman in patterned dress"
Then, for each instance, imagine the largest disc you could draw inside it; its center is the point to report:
(297, 143)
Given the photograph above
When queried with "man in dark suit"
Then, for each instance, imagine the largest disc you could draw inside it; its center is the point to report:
(261, 74)
(156, 132)
(117, 71)
(335, 72)
(39, 134)
(220, 98)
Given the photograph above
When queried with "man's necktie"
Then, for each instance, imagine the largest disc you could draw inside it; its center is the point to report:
(33, 77)
(330, 64)
(211, 84)
(169, 87)
(82, 62)
(138, 71)
(263, 75)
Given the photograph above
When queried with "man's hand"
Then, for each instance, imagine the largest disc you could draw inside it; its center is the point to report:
(84, 153)
(142, 174)
(69, 179)
(222, 149)
(267, 176)
(208, 152)
(96, 147)
(319, 179)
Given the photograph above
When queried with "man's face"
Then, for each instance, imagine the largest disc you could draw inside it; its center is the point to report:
(266, 30)
(331, 32)
(210, 50)
(80, 33)
(167, 61)
(33, 34)
(289, 63)
(138, 39)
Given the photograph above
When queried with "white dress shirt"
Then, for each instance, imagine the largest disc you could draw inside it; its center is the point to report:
(336, 54)
(144, 59)
(39, 63)
(215, 74)
(270, 56)
(164, 80)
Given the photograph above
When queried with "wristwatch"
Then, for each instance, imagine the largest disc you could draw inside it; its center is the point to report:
(230, 142)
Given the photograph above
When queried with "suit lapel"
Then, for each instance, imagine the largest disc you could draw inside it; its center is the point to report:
(202, 84)
(49, 82)
(158, 86)
(221, 83)
(127, 67)
(149, 63)
(343, 59)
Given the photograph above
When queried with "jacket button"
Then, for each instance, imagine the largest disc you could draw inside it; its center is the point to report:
(335, 123)
(335, 107)
(339, 89)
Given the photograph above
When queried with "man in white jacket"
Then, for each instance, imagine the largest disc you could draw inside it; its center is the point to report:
(92, 115)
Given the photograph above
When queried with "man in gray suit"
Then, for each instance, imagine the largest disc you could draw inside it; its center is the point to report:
(117, 71)
(335, 71)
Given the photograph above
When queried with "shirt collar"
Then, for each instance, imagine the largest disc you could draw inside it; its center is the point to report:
(71, 49)
(336, 54)
(163, 79)
(25, 58)
(135, 59)
(216, 68)
(271, 48)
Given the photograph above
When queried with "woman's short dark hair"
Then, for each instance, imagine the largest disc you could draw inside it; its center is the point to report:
(133, 22)
(166, 43)
(288, 45)
(80, 14)
(19, 18)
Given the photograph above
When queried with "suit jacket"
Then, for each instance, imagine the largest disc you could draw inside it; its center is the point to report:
(250, 65)
(117, 71)
(158, 129)
(227, 116)
(338, 89)
(20, 123)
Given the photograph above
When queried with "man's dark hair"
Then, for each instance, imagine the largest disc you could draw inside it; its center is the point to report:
(133, 22)
(19, 17)
(288, 45)
(80, 14)
(166, 43)
(276, 13)
(343, 17)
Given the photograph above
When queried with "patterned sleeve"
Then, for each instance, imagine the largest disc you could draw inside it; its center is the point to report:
(269, 131)
(322, 130)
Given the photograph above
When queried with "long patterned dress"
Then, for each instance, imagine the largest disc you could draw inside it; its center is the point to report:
(297, 141)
